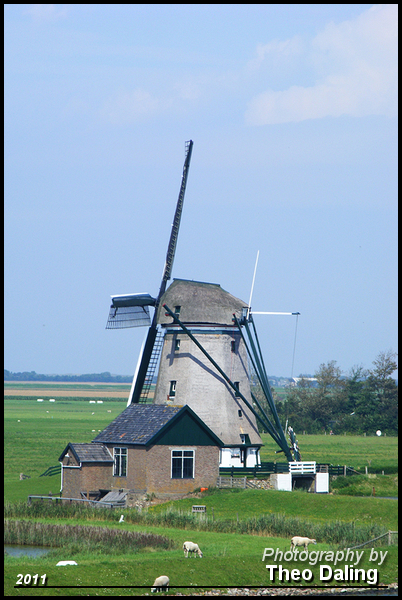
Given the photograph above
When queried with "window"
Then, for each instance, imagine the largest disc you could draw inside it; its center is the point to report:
(120, 462)
(237, 386)
(172, 389)
(182, 464)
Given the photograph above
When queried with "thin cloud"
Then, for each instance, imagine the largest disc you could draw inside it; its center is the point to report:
(276, 51)
(129, 107)
(46, 12)
(356, 69)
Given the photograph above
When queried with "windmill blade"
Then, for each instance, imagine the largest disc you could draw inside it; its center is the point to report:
(252, 285)
(136, 388)
(167, 271)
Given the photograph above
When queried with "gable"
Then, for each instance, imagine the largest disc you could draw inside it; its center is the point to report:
(87, 453)
(187, 430)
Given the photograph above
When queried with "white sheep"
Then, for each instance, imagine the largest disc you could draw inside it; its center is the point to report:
(301, 541)
(191, 547)
(161, 584)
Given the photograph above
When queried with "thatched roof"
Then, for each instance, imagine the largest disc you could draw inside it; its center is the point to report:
(201, 303)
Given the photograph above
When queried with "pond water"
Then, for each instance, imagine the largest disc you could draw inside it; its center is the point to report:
(31, 551)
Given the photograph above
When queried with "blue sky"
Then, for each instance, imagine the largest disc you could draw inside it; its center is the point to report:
(293, 113)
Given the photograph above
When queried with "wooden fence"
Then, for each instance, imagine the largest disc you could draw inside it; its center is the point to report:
(231, 482)
(56, 470)
(389, 534)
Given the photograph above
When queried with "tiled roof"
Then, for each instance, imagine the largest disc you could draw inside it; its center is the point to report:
(89, 452)
(137, 424)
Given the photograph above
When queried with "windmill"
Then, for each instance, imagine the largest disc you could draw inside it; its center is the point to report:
(202, 356)
(208, 316)
(133, 310)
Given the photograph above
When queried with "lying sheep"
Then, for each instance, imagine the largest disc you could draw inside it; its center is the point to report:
(161, 584)
(301, 541)
(191, 547)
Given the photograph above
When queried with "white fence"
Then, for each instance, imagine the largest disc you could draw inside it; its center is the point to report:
(303, 468)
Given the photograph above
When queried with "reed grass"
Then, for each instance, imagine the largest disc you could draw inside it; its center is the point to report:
(332, 532)
(84, 538)
(52, 510)
(337, 532)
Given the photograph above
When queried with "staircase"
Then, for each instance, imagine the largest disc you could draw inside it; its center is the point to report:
(153, 363)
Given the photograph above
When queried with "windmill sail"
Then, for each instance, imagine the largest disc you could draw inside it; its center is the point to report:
(132, 310)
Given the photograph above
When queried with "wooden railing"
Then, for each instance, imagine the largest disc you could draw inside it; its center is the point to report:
(303, 468)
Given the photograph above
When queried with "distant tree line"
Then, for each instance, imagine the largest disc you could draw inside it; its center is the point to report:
(105, 377)
(364, 401)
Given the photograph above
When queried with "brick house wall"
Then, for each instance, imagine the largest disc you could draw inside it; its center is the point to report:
(136, 479)
(148, 470)
(87, 478)
(158, 460)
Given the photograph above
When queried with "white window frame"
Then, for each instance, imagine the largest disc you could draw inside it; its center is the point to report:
(120, 455)
(182, 450)
(172, 389)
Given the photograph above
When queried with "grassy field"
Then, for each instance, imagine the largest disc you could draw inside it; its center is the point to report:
(375, 453)
(224, 504)
(53, 387)
(36, 434)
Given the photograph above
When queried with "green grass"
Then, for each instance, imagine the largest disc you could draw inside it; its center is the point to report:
(230, 503)
(375, 453)
(362, 485)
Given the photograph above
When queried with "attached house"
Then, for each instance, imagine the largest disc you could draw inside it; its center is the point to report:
(147, 448)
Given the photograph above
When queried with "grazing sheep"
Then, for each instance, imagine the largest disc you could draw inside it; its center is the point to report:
(301, 541)
(161, 584)
(191, 547)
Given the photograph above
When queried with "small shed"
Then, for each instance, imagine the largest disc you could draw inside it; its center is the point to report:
(166, 450)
